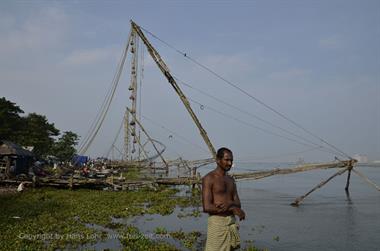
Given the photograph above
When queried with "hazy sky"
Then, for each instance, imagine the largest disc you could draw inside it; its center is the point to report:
(317, 62)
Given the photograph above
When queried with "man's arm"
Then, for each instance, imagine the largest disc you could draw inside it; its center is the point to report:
(207, 197)
(236, 200)
(234, 206)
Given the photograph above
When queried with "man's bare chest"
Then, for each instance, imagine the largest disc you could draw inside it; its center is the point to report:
(223, 185)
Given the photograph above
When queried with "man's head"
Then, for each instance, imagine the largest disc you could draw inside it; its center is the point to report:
(224, 158)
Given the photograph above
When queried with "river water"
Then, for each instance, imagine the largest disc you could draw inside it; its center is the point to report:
(327, 219)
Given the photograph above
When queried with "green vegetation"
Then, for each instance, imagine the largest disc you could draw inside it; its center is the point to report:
(250, 247)
(134, 173)
(160, 230)
(63, 148)
(10, 120)
(51, 219)
(187, 239)
(253, 248)
(56, 219)
(276, 238)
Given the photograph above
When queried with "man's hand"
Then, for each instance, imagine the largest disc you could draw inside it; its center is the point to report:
(239, 212)
(224, 206)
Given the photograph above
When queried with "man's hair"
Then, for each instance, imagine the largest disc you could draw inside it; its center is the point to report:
(221, 151)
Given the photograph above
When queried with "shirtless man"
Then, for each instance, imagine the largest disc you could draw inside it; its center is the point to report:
(222, 203)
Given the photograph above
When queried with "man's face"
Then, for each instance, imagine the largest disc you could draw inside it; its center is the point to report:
(226, 162)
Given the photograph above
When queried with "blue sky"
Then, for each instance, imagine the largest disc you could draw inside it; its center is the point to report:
(317, 62)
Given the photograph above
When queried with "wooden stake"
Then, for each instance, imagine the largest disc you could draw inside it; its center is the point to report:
(348, 180)
(350, 166)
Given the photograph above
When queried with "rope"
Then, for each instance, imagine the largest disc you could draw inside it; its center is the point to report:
(246, 93)
(87, 142)
(100, 112)
(275, 156)
(115, 139)
(176, 134)
(252, 115)
(250, 125)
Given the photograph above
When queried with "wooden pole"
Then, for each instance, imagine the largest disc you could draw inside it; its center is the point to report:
(165, 70)
(126, 135)
(350, 166)
(299, 199)
(133, 86)
(302, 168)
(348, 180)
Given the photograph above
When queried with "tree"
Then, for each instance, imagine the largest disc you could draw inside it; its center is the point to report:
(10, 120)
(34, 130)
(39, 133)
(64, 148)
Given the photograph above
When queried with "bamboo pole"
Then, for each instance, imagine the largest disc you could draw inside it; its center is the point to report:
(302, 168)
(165, 70)
(198, 163)
(350, 167)
(348, 180)
(299, 199)
(133, 86)
(126, 135)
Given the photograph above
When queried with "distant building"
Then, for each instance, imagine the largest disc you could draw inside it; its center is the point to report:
(361, 158)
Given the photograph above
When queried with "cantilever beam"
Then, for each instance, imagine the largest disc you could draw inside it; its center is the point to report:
(165, 70)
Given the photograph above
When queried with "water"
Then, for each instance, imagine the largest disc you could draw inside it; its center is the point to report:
(326, 220)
